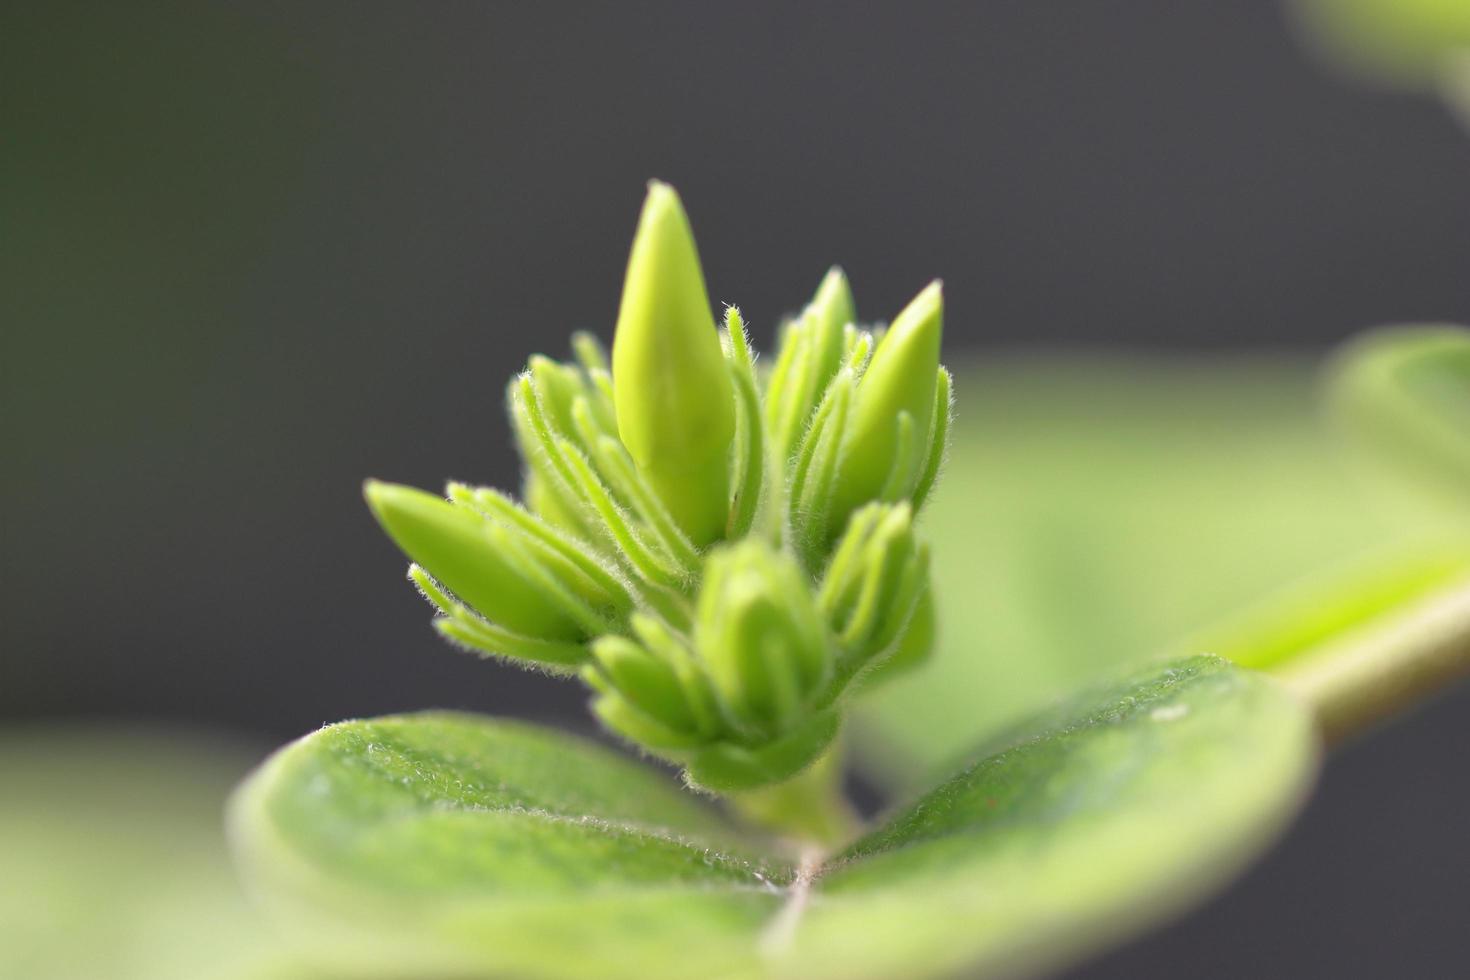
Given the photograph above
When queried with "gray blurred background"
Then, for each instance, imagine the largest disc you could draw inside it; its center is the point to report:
(250, 254)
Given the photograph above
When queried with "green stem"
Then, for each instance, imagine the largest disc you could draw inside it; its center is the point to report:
(809, 808)
(1386, 667)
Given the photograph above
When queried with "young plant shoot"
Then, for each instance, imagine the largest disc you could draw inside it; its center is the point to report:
(726, 556)
(722, 554)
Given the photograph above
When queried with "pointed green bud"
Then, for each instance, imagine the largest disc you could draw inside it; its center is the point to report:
(620, 715)
(463, 552)
(831, 309)
(812, 350)
(833, 302)
(545, 493)
(558, 386)
(913, 648)
(730, 768)
(567, 563)
(761, 637)
(899, 380)
(546, 500)
(671, 386)
(879, 572)
(646, 682)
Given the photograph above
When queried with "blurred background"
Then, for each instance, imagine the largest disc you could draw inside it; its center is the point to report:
(251, 254)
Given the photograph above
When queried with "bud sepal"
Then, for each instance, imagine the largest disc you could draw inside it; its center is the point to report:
(731, 768)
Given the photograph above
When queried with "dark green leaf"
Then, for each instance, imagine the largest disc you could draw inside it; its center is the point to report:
(444, 844)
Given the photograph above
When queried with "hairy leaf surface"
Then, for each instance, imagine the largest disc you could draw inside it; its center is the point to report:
(457, 845)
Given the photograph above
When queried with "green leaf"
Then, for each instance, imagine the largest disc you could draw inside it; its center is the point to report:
(113, 859)
(445, 844)
(1073, 830)
(1396, 42)
(1095, 512)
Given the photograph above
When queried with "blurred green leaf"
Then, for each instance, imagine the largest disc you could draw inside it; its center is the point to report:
(1096, 512)
(1322, 609)
(1399, 42)
(113, 860)
(1363, 642)
(1403, 394)
(446, 844)
(1454, 84)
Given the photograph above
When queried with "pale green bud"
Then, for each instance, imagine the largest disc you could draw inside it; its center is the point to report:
(833, 308)
(620, 715)
(913, 647)
(559, 386)
(761, 637)
(811, 354)
(877, 576)
(646, 682)
(467, 554)
(546, 500)
(546, 494)
(900, 380)
(671, 386)
(557, 560)
(730, 768)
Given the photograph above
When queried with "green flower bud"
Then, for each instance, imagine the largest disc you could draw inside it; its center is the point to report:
(761, 637)
(833, 308)
(671, 386)
(899, 381)
(545, 500)
(730, 768)
(647, 683)
(560, 385)
(912, 649)
(554, 558)
(468, 555)
(546, 493)
(811, 354)
(874, 583)
(613, 708)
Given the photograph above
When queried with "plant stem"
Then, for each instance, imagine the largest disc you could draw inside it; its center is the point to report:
(1386, 667)
(810, 808)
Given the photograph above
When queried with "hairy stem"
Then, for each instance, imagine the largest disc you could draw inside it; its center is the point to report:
(810, 808)
(1386, 667)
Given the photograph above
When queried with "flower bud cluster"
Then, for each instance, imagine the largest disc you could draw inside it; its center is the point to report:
(723, 554)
